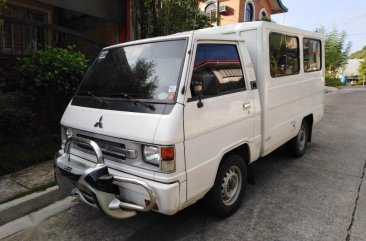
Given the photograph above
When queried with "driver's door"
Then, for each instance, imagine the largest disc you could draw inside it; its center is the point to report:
(220, 117)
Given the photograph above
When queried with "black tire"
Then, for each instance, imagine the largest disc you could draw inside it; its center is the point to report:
(297, 145)
(228, 191)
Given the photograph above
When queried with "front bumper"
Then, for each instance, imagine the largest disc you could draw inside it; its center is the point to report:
(116, 194)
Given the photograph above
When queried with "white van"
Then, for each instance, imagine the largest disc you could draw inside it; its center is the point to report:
(160, 123)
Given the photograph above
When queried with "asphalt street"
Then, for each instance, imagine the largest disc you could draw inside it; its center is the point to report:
(321, 196)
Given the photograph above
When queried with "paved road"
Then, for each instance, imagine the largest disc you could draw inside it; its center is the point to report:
(321, 196)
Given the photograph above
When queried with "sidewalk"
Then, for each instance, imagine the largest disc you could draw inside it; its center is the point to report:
(31, 188)
(25, 180)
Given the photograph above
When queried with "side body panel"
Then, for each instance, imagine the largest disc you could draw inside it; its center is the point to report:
(285, 100)
(289, 99)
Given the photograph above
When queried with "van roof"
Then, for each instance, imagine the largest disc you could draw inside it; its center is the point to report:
(207, 33)
(195, 34)
(237, 27)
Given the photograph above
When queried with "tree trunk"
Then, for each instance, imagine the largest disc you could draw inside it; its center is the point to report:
(156, 27)
(143, 19)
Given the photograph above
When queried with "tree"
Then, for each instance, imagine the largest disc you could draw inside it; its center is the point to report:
(2, 4)
(336, 49)
(164, 17)
(362, 69)
(361, 54)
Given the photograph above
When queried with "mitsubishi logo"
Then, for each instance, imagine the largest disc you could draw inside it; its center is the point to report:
(99, 123)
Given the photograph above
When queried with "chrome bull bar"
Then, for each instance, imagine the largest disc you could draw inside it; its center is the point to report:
(102, 185)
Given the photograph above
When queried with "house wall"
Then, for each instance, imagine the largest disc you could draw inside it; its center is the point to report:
(233, 14)
(236, 11)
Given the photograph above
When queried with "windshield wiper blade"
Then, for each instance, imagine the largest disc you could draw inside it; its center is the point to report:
(135, 101)
(100, 100)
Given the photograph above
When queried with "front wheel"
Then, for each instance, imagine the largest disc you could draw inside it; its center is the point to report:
(297, 145)
(228, 190)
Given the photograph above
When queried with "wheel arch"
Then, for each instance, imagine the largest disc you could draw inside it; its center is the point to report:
(244, 151)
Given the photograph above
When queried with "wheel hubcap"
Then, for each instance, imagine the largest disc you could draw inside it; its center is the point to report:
(302, 138)
(231, 185)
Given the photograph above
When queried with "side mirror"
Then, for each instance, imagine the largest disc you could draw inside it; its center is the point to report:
(198, 89)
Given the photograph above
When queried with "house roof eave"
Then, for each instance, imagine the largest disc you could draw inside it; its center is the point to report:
(278, 7)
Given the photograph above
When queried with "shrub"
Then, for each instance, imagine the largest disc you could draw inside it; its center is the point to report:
(331, 80)
(50, 76)
(15, 123)
(27, 151)
(22, 143)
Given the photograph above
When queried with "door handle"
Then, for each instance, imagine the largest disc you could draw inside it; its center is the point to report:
(247, 105)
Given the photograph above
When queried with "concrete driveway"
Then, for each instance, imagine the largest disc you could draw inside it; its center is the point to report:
(321, 196)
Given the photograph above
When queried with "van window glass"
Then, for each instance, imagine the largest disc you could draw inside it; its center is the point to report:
(218, 68)
(312, 55)
(284, 55)
(148, 71)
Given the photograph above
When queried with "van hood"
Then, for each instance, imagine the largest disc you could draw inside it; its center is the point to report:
(120, 124)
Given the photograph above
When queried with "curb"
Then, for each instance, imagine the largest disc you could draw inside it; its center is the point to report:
(24, 205)
(36, 218)
(329, 89)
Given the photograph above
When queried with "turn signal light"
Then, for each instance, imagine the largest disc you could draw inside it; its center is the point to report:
(167, 153)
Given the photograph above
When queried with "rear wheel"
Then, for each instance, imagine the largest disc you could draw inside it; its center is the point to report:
(228, 190)
(297, 145)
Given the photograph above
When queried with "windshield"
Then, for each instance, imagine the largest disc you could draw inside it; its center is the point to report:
(148, 71)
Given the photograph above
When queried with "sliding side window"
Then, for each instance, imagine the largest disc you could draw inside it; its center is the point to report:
(283, 54)
(312, 55)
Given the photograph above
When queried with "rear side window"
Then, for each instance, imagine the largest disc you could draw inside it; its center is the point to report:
(218, 68)
(284, 55)
(312, 55)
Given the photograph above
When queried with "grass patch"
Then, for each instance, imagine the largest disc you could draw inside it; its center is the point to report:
(39, 188)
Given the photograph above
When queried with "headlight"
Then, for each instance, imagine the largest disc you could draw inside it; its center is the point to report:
(69, 133)
(66, 133)
(152, 155)
(163, 156)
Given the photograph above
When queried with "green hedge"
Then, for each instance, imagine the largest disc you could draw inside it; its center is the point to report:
(30, 131)
(329, 81)
(16, 122)
(27, 151)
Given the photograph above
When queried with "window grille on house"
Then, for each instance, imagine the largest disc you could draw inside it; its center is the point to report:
(211, 10)
(22, 39)
(249, 12)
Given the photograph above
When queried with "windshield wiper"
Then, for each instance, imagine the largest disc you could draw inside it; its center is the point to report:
(100, 100)
(135, 101)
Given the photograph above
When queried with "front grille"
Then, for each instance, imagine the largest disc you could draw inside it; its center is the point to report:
(109, 148)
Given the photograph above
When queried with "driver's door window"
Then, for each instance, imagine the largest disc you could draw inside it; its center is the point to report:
(217, 67)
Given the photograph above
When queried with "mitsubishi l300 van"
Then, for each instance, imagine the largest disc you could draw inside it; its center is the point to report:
(160, 123)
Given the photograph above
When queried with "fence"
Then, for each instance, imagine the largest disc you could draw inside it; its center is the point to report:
(21, 37)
